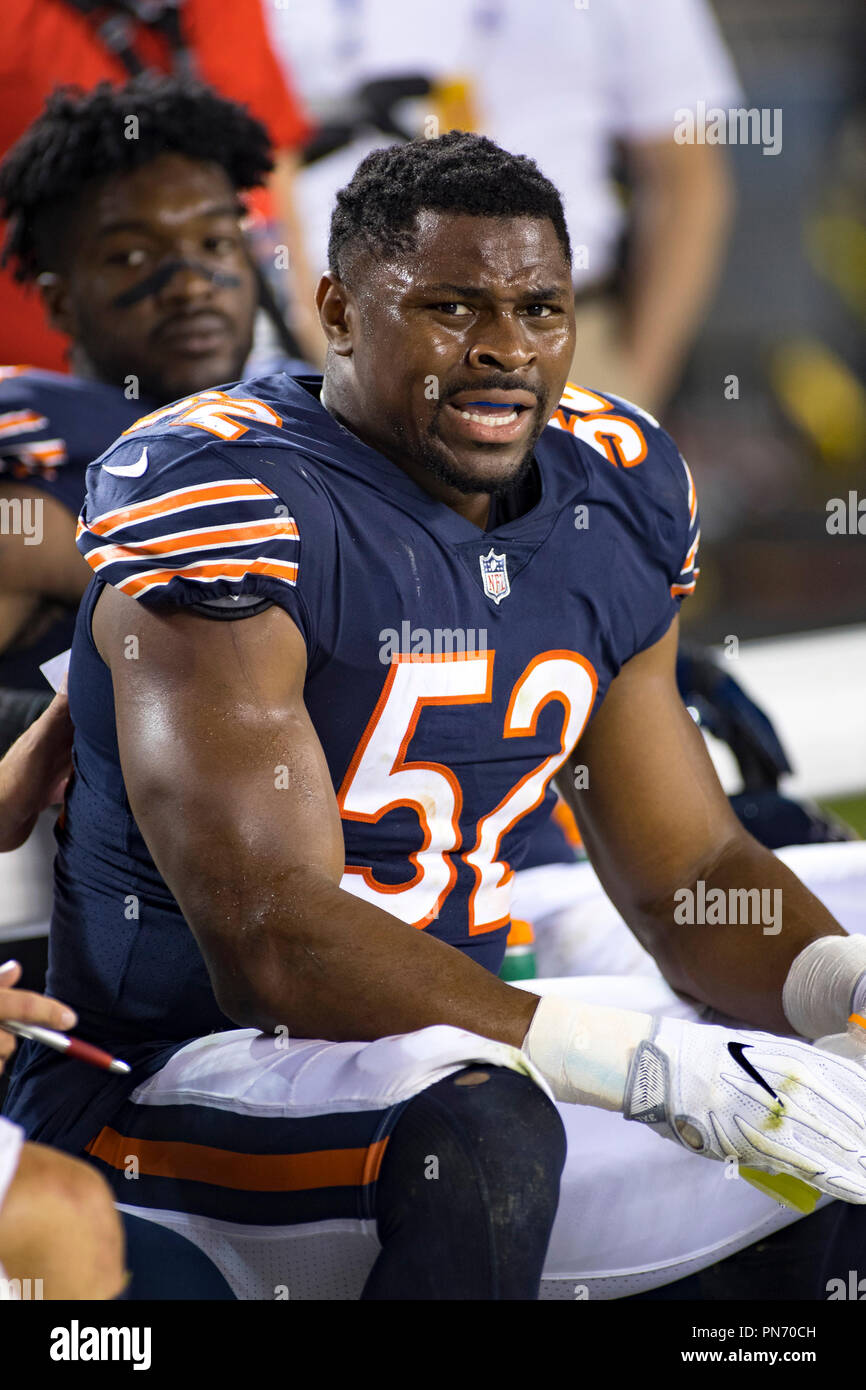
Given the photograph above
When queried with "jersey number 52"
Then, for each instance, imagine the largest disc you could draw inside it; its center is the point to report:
(379, 778)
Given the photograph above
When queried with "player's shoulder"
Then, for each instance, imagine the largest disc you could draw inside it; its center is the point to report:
(207, 494)
(633, 466)
(624, 451)
(51, 421)
(251, 409)
(47, 391)
(234, 434)
(27, 383)
(609, 429)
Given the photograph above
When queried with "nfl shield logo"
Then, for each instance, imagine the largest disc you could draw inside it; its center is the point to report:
(494, 575)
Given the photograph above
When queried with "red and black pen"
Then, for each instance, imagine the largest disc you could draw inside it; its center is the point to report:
(73, 1047)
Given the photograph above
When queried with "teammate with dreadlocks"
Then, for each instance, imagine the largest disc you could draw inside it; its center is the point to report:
(283, 874)
(125, 209)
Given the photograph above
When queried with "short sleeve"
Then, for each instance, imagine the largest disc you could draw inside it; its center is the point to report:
(29, 445)
(686, 577)
(52, 425)
(667, 56)
(678, 556)
(169, 522)
(657, 490)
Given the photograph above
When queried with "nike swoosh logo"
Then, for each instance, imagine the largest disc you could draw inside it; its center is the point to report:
(129, 470)
(736, 1050)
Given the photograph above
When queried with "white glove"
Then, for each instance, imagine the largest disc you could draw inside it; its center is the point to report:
(773, 1103)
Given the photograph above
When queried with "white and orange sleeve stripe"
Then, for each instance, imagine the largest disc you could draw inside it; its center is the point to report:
(688, 576)
(223, 532)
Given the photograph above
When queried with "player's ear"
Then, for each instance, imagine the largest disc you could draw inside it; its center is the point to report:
(54, 292)
(333, 302)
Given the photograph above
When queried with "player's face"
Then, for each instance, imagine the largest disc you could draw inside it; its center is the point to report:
(160, 288)
(462, 349)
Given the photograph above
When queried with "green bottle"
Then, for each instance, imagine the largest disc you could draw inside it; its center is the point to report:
(519, 963)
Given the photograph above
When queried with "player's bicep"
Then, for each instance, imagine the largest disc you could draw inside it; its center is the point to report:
(653, 813)
(225, 775)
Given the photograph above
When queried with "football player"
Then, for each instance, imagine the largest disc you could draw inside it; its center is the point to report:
(134, 237)
(341, 635)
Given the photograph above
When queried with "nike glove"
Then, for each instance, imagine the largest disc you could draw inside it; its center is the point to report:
(773, 1103)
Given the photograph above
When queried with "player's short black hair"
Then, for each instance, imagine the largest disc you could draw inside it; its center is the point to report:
(457, 172)
(83, 136)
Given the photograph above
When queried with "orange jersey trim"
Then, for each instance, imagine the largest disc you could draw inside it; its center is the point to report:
(177, 501)
(21, 420)
(684, 588)
(183, 541)
(690, 558)
(693, 497)
(231, 570)
(242, 1172)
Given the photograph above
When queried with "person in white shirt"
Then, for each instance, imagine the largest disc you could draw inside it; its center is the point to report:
(569, 84)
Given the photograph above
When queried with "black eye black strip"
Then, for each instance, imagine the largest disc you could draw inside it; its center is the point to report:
(153, 283)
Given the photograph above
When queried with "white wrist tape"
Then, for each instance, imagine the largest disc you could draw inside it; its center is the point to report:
(584, 1050)
(825, 984)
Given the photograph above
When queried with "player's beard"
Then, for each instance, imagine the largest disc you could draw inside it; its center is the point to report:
(438, 464)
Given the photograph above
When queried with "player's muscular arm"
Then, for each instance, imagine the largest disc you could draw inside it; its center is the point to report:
(230, 788)
(655, 820)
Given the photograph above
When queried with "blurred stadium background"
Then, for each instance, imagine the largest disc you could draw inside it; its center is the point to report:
(788, 321)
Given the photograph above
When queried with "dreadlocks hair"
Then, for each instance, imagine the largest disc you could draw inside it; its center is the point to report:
(83, 136)
(457, 172)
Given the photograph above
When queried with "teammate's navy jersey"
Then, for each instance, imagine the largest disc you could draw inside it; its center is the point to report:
(51, 427)
(450, 670)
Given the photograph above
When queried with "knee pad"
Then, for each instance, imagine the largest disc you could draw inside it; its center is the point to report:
(468, 1189)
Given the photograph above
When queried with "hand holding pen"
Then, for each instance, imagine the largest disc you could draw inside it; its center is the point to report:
(28, 1015)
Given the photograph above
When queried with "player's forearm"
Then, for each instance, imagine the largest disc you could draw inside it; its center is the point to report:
(729, 936)
(15, 823)
(682, 215)
(33, 763)
(302, 282)
(294, 949)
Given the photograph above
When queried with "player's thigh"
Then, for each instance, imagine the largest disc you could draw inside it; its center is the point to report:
(266, 1152)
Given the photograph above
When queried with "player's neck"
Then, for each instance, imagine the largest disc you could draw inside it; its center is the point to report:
(474, 507)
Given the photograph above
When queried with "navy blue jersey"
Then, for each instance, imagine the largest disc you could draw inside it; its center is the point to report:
(51, 427)
(549, 843)
(450, 670)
